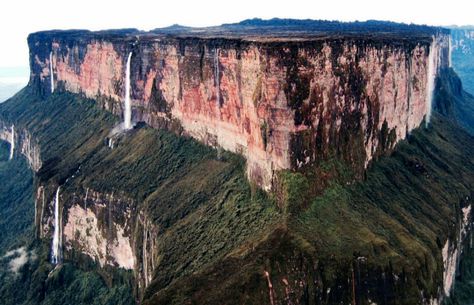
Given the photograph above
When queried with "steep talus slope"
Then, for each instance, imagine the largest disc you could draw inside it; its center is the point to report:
(377, 240)
(16, 200)
(178, 202)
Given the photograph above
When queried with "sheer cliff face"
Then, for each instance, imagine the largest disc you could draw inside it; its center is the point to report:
(94, 224)
(24, 143)
(282, 105)
(100, 226)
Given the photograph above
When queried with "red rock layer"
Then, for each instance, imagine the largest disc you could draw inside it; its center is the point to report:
(282, 105)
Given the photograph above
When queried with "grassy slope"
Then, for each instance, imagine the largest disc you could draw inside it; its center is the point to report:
(67, 128)
(203, 205)
(16, 200)
(217, 235)
(397, 219)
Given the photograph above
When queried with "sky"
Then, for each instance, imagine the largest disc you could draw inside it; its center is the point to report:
(18, 18)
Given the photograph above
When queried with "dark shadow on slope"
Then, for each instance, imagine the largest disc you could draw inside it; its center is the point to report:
(452, 101)
(32, 281)
(201, 204)
(384, 235)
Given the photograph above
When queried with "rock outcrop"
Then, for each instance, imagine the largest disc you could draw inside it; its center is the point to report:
(453, 248)
(100, 226)
(283, 103)
(24, 143)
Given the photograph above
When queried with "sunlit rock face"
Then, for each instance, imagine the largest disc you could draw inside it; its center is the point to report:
(281, 104)
(105, 227)
(100, 226)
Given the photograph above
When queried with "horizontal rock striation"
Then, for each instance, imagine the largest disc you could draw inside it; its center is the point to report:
(281, 103)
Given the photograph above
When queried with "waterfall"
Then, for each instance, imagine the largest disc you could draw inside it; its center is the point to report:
(56, 247)
(12, 144)
(127, 116)
(432, 69)
(216, 72)
(51, 71)
(450, 47)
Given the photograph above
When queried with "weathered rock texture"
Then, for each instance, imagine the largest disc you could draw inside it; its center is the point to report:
(97, 225)
(453, 248)
(100, 226)
(24, 144)
(283, 104)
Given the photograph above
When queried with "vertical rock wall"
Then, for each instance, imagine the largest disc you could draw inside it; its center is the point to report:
(24, 144)
(282, 105)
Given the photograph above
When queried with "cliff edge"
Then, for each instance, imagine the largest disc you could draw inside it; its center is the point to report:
(282, 95)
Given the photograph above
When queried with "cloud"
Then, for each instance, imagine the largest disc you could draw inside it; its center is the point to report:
(18, 258)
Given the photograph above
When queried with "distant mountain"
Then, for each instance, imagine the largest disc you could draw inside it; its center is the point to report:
(463, 55)
(461, 105)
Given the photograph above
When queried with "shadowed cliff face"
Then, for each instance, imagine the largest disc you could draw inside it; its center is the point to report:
(24, 144)
(460, 107)
(281, 104)
(463, 55)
